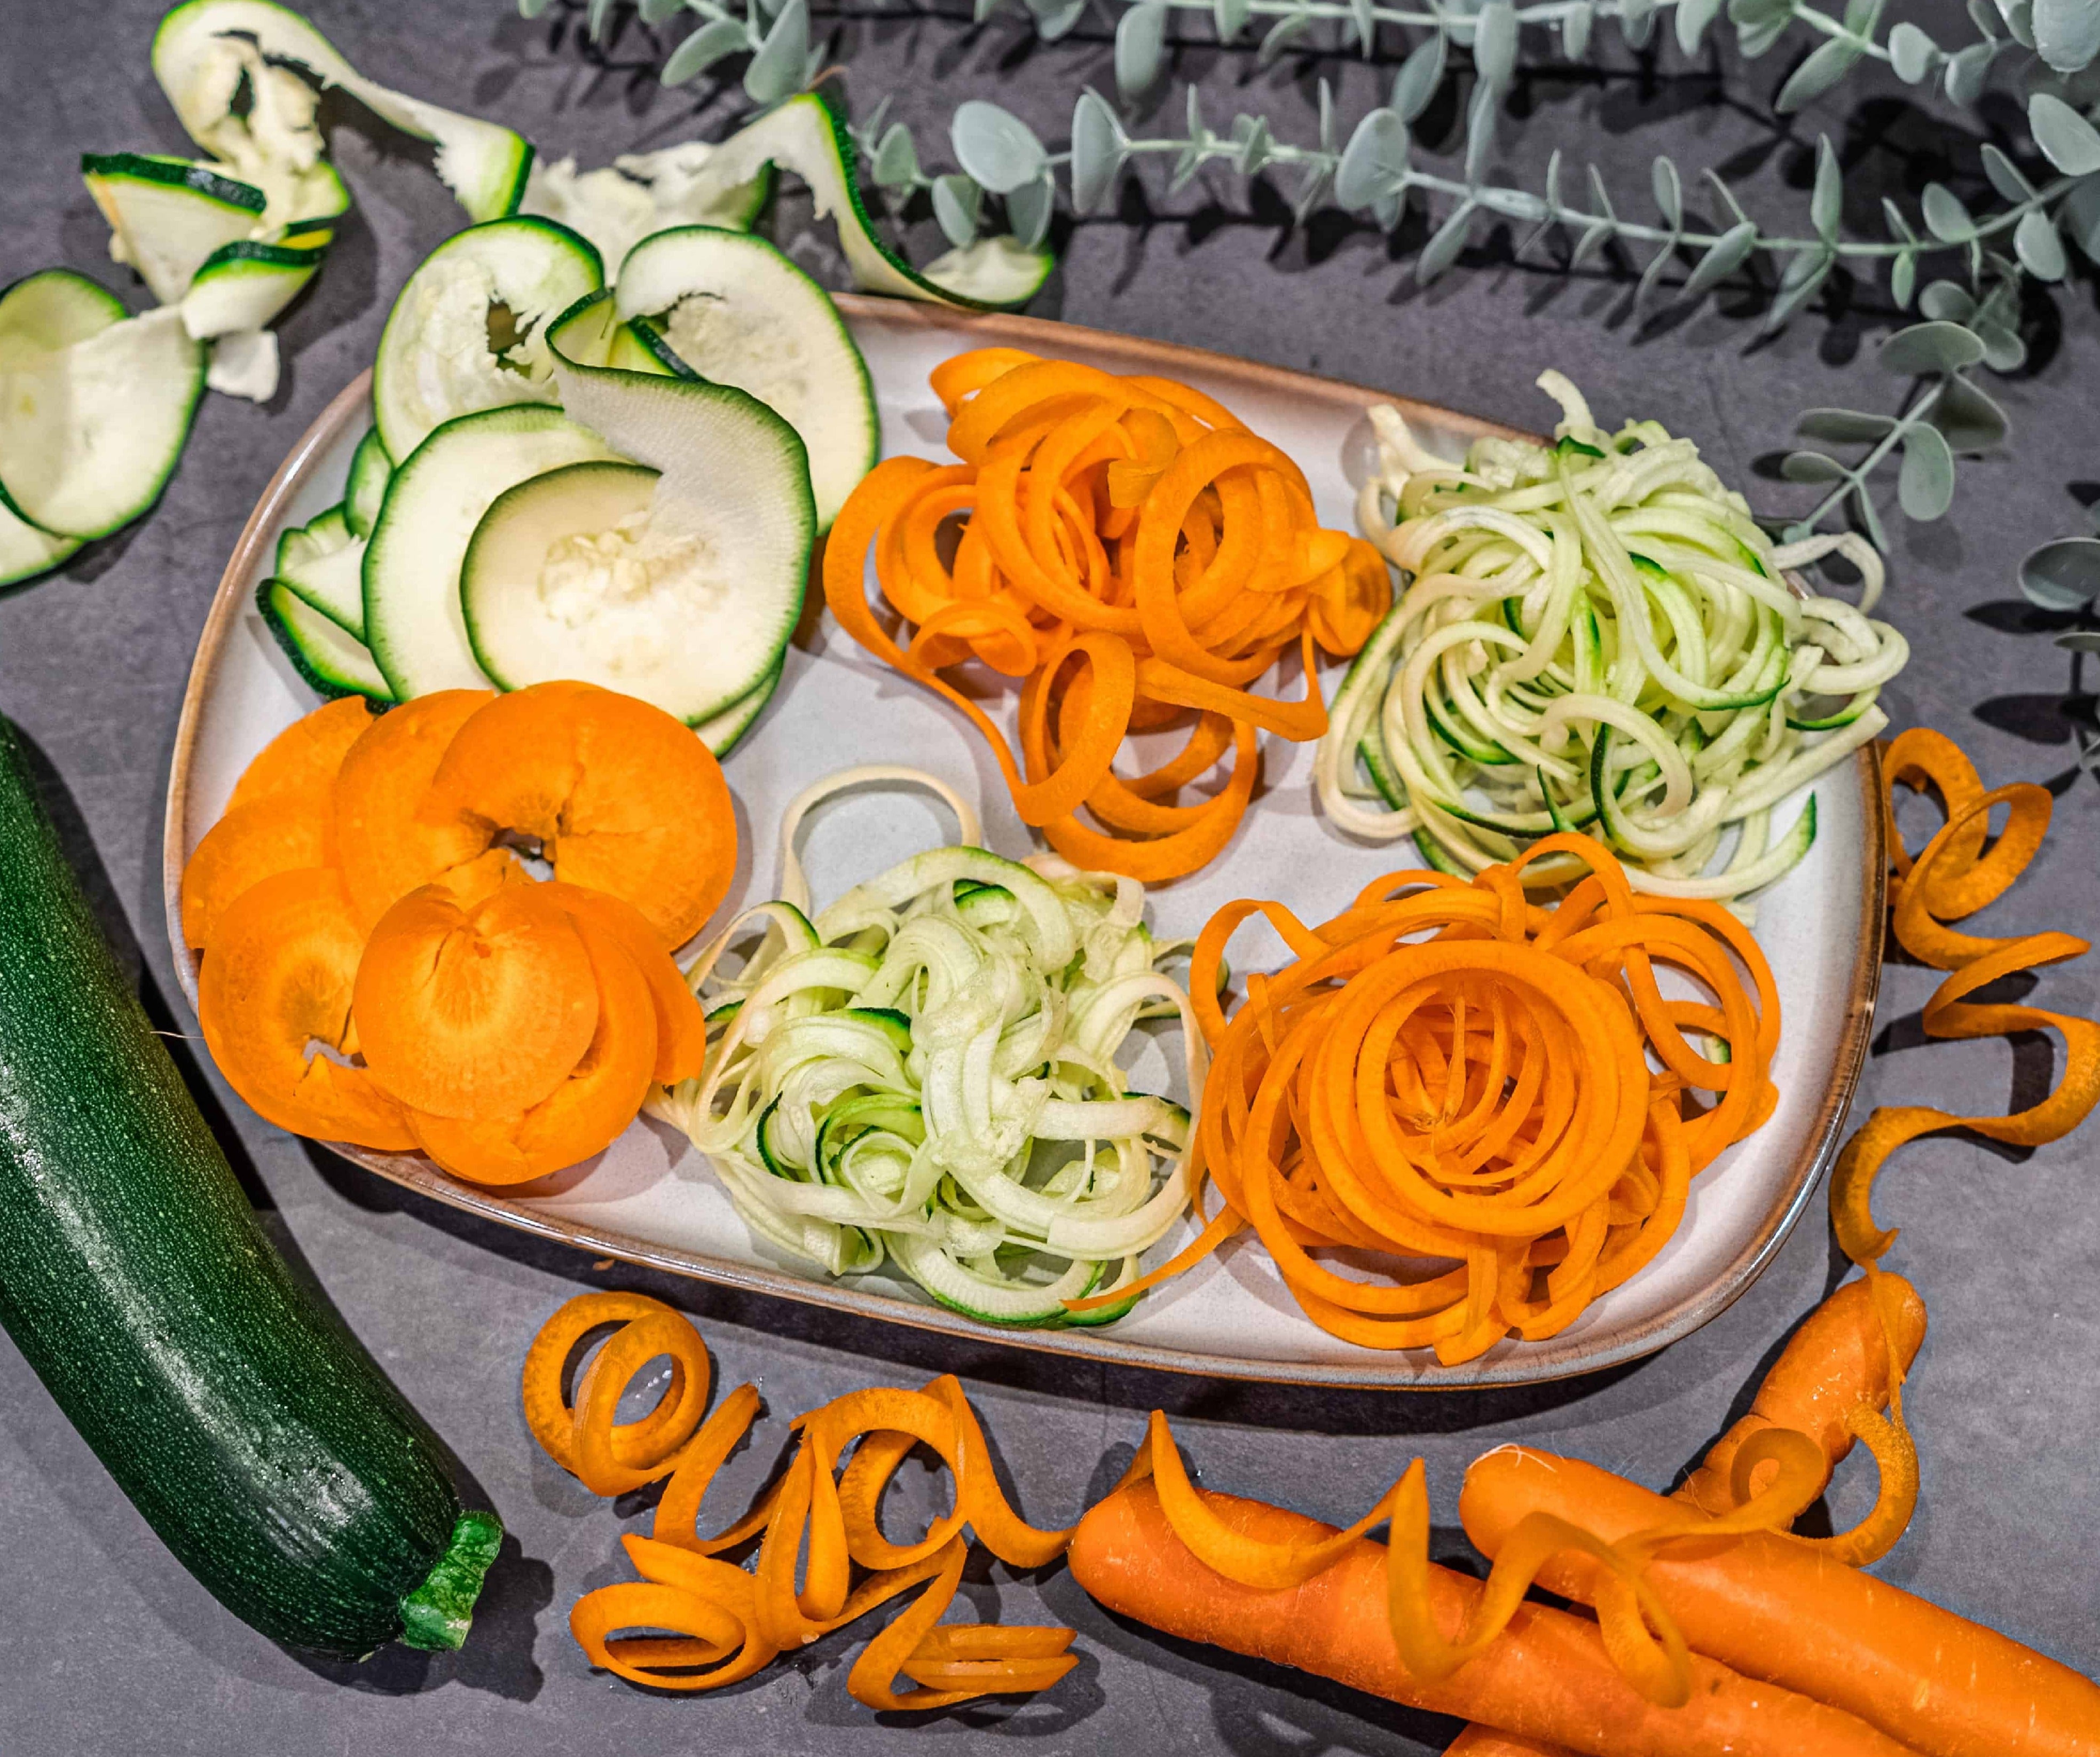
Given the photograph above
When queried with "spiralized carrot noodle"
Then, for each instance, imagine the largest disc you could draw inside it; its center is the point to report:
(1452, 1071)
(1138, 559)
(728, 1622)
(1955, 875)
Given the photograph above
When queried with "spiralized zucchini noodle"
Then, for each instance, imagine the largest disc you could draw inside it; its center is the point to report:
(925, 1073)
(1598, 636)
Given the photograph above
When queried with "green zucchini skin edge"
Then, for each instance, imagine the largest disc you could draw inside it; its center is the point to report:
(263, 1445)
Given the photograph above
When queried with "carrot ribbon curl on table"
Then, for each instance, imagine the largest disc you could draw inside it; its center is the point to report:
(1137, 556)
(731, 1622)
(1481, 1096)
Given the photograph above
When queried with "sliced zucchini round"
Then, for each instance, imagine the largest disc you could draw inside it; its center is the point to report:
(168, 215)
(723, 731)
(412, 621)
(26, 552)
(369, 467)
(733, 309)
(94, 406)
(330, 659)
(579, 574)
(806, 136)
(324, 563)
(468, 331)
(203, 49)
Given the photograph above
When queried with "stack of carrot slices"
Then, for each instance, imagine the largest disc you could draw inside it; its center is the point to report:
(1450, 1071)
(818, 1520)
(1139, 559)
(379, 967)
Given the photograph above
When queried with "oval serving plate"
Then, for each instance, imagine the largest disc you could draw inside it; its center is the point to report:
(650, 1198)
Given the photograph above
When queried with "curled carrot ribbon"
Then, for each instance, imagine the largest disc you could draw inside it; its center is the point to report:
(1450, 1071)
(728, 1622)
(1139, 559)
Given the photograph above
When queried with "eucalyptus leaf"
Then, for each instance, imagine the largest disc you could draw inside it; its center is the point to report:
(1870, 519)
(1575, 31)
(1754, 40)
(1375, 163)
(1693, 18)
(1637, 22)
(1495, 44)
(1730, 251)
(2082, 640)
(1030, 210)
(1665, 254)
(1282, 34)
(765, 8)
(532, 8)
(655, 12)
(982, 10)
(1592, 240)
(1805, 274)
(1968, 417)
(2020, 19)
(1903, 278)
(1419, 74)
(1327, 142)
(1256, 143)
(2041, 248)
(1930, 347)
(1388, 209)
(708, 45)
(1945, 217)
(1826, 205)
(995, 147)
(1966, 70)
(1899, 226)
(1480, 131)
(1911, 53)
(2080, 216)
(1442, 250)
(1309, 193)
(1363, 20)
(956, 201)
(895, 163)
(1715, 183)
(2003, 351)
(1055, 22)
(1823, 68)
(1861, 16)
(2065, 138)
(1844, 426)
(1947, 301)
(1986, 17)
(1811, 467)
(2067, 32)
(1140, 48)
(1511, 203)
(2005, 177)
(597, 20)
(776, 71)
(1924, 485)
(1230, 18)
(1669, 191)
(1098, 143)
(2062, 575)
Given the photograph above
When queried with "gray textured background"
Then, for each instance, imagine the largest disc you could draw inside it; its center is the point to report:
(110, 1647)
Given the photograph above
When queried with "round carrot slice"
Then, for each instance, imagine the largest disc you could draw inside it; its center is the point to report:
(682, 1026)
(279, 979)
(476, 1012)
(302, 758)
(386, 842)
(586, 1112)
(622, 797)
(277, 833)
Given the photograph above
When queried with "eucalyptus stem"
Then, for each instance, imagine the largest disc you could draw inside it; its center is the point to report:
(1854, 479)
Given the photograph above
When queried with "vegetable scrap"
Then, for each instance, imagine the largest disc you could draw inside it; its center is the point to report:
(925, 1073)
(1134, 555)
(1718, 1631)
(730, 1621)
(356, 897)
(1597, 633)
(1482, 1095)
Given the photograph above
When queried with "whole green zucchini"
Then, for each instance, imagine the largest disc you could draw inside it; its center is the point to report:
(257, 1439)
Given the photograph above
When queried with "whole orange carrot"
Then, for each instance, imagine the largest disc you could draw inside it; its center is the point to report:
(1546, 1677)
(1778, 1608)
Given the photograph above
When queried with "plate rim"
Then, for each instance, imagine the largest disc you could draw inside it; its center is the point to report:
(1537, 1363)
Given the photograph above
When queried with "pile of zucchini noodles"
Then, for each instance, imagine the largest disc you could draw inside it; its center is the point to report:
(925, 1071)
(1598, 636)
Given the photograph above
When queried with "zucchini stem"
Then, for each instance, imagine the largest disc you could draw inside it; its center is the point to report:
(437, 1615)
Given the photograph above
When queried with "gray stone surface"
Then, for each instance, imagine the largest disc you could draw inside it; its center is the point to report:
(111, 1648)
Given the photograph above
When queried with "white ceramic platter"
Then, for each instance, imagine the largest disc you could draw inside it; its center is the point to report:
(651, 1199)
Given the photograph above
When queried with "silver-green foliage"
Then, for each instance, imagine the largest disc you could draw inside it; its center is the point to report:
(774, 33)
